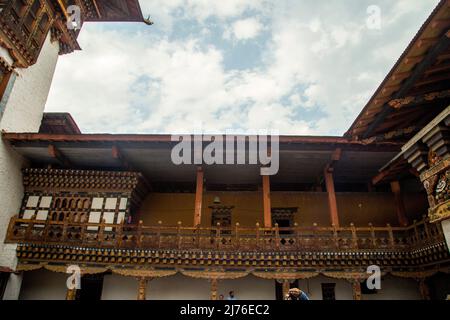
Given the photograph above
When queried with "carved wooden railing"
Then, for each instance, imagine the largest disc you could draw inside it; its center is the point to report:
(237, 238)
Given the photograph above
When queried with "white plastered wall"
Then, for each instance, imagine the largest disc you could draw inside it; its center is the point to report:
(446, 229)
(23, 113)
(44, 285)
(313, 288)
(395, 288)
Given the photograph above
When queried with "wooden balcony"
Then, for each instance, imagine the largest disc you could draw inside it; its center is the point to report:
(236, 239)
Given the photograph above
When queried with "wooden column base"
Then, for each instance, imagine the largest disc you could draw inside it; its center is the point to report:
(214, 288)
(71, 294)
(424, 290)
(356, 286)
(286, 287)
(142, 288)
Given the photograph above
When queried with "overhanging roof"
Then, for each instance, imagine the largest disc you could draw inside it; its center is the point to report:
(302, 158)
(116, 10)
(423, 68)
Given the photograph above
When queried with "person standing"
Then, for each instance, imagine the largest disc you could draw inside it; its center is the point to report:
(296, 294)
(231, 296)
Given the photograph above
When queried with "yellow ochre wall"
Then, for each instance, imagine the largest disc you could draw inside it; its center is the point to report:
(359, 208)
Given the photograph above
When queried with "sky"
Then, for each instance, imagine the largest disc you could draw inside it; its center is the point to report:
(299, 67)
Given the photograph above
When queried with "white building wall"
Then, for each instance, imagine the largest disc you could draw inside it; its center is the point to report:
(446, 229)
(248, 288)
(116, 287)
(313, 288)
(22, 113)
(395, 288)
(43, 285)
(178, 287)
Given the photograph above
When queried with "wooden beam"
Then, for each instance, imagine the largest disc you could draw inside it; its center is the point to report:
(97, 9)
(380, 177)
(437, 68)
(413, 60)
(426, 41)
(400, 75)
(55, 153)
(442, 45)
(440, 22)
(198, 197)
(400, 206)
(117, 154)
(329, 183)
(430, 80)
(418, 100)
(266, 202)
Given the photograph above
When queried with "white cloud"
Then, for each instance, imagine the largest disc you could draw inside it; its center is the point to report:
(320, 64)
(244, 29)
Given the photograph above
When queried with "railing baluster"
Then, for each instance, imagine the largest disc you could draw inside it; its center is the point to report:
(179, 234)
(391, 235)
(159, 235)
(257, 235)
(101, 232)
(354, 236)
(416, 232)
(198, 236)
(218, 240)
(425, 226)
(372, 235)
(277, 236)
(297, 236)
(29, 229)
(236, 236)
(314, 235)
(335, 236)
(139, 233)
(119, 234)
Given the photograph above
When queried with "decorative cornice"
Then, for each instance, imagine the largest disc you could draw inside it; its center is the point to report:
(79, 180)
(223, 274)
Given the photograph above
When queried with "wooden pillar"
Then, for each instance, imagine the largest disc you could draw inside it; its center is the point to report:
(142, 288)
(214, 288)
(71, 294)
(286, 287)
(356, 286)
(198, 197)
(424, 290)
(329, 182)
(400, 206)
(266, 201)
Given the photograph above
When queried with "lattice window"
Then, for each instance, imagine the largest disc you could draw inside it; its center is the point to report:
(221, 214)
(110, 209)
(72, 208)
